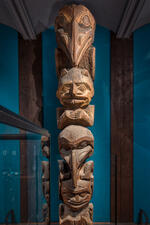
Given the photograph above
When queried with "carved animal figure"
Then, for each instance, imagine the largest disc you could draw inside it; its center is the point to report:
(74, 27)
(75, 67)
(75, 148)
(75, 88)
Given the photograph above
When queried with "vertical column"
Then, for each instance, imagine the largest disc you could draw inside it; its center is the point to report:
(122, 129)
(30, 79)
(30, 104)
(75, 66)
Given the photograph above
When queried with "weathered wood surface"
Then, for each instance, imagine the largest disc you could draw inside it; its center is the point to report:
(122, 128)
(75, 28)
(83, 117)
(75, 88)
(75, 66)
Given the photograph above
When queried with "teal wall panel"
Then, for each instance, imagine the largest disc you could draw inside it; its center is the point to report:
(101, 128)
(142, 120)
(9, 90)
(9, 97)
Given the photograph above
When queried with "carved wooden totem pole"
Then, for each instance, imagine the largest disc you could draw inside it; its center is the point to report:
(75, 66)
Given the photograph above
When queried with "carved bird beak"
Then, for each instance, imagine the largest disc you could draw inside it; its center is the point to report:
(79, 43)
(74, 167)
(75, 43)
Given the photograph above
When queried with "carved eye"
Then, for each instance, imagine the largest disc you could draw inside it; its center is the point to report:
(85, 72)
(60, 22)
(85, 22)
(70, 195)
(88, 87)
(64, 72)
(65, 148)
(83, 194)
(81, 87)
(65, 89)
(83, 144)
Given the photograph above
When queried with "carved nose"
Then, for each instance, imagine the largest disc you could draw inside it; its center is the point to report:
(74, 43)
(73, 90)
(77, 45)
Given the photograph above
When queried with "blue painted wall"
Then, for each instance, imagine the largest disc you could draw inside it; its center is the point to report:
(9, 98)
(101, 128)
(9, 152)
(9, 68)
(142, 120)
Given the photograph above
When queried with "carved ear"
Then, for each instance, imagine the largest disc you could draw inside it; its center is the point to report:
(64, 72)
(92, 61)
(85, 72)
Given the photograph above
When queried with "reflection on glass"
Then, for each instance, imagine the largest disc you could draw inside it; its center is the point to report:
(21, 195)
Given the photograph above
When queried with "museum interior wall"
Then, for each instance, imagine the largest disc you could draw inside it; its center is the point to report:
(141, 153)
(9, 97)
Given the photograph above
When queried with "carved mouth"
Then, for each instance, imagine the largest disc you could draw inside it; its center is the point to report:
(75, 98)
(76, 206)
(78, 203)
(76, 102)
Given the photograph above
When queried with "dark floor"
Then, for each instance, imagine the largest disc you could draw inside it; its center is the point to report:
(101, 223)
(58, 224)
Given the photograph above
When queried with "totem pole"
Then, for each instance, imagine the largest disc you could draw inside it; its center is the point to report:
(45, 141)
(75, 67)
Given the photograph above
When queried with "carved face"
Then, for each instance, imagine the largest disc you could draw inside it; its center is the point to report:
(79, 197)
(75, 88)
(75, 146)
(75, 27)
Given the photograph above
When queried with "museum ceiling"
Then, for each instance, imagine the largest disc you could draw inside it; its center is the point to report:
(30, 17)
